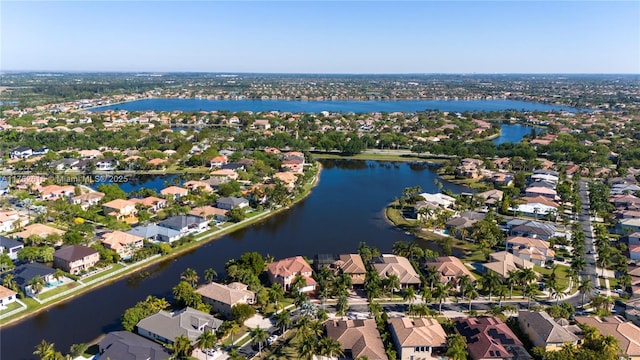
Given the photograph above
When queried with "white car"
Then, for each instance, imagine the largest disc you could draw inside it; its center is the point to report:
(272, 339)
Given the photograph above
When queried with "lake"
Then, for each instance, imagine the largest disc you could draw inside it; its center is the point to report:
(343, 106)
(514, 133)
(345, 208)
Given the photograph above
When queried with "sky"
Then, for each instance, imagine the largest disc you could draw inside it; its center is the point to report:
(321, 36)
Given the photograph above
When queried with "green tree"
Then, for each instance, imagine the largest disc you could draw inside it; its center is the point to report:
(190, 276)
(489, 281)
(77, 349)
(259, 336)
(283, 320)
(342, 305)
(181, 347)
(329, 347)
(236, 214)
(45, 350)
(457, 347)
(242, 312)
(36, 284)
(210, 274)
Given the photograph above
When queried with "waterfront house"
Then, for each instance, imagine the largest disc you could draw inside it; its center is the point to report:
(543, 331)
(490, 338)
(75, 259)
(105, 164)
(358, 338)
(288, 178)
(626, 333)
(40, 230)
(124, 244)
(389, 264)
(24, 273)
(228, 203)
(209, 212)
(352, 265)
(165, 326)
(261, 124)
(223, 297)
(462, 224)
(225, 174)
(10, 247)
(155, 233)
(125, 345)
(54, 192)
(450, 269)
(284, 271)
(154, 204)
(418, 338)
(442, 200)
(87, 199)
(502, 263)
(174, 192)
(7, 296)
(195, 185)
(123, 210)
(185, 224)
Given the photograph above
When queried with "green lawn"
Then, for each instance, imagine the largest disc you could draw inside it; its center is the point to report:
(561, 274)
(57, 290)
(227, 341)
(114, 267)
(11, 307)
(284, 349)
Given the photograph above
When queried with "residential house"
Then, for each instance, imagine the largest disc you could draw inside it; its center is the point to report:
(450, 269)
(228, 203)
(21, 152)
(75, 259)
(165, 326)
(490, 338)
(234, 166)
(469, 168)
(503, 262)
(359, 338)
(541, 191)
(461, 225)
(10, 247)
(88, 199)
(54, 192)
(389, 264)
(124, 244)
(195, 185)
(530, 228)
(535, 250)
(536, 210)
(284, 271)
(174, 192)
(288, 178)
(24, 273)
(40, 230)
(105, 164)
(185, 224)
(223, 297)
(352, 265)
(218, 161)
(225, 174)
(441, 199)
(491, 197)
(125, 345)
(543, 331)
(627, 226)
(626, 333)
(414, 338)
(7, 296)
(10, 219)
(261, 124)
(209, 212)
(63, 164)
(123, 210)
(154, 204)
(155, 233)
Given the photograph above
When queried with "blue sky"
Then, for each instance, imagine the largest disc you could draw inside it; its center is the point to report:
(322, 36)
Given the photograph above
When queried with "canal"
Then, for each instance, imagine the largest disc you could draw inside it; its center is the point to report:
(344, 209)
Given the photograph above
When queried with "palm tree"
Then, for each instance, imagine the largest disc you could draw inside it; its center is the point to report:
(409, 294)
(342, 305)
(329, 347)
(557, 293)
(232, 330)
(276, 294)
(36, 284)
(440, 293)
(470, 292)
(207, 340)
(530, 291)
(501, 292)
(392, 283)
(527, 275)
(573, 275)
(298, 283)
(489, 281)
(307, 347)
(457, 347)
(432, 276)
(513, 279)
(375, 308)
(604, 258)
(45, 350)
(209, 275)
(584, 288)
(58, 274)
(181, 347)
(190, 276)
(9, 282)
(259, 336)
(283, 320)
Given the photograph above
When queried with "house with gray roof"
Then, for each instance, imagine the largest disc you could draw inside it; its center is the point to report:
(530, 228)
(544, 331)
(10, 247)
(124, 345)
(229, 203)
(22, 274)
(165, 326)
(185, 224)
(155, 233)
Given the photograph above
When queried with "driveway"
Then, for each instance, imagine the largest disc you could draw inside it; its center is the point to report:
(259, 320)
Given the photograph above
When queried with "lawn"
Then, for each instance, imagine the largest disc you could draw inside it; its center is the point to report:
(11, 307)
(57, 290)
(285, 348)
(561, 275)
(227, 341)
(114, 267)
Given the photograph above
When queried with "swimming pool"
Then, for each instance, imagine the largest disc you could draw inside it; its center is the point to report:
(53, 284)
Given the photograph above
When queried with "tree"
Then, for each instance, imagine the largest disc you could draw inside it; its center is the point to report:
(329, 347)
(298, 283)
(236, 214)
(190, 276)
(489, 281)
(470, 292)
(276, 294)
(233, 328)
(242, 312)
(207, 340)
(210, 274)
(182, 347)
(77, 349)
(342, 305)
(45, 350)
(283, 320)
(5, 262)
(9, 282)
(307, 347)
(259, 336)
(409, 294)
(36, 284)
(457, 347)
(392, 283)
(440, 293)
(530, 291)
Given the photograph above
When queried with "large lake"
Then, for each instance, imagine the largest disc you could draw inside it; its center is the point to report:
(344, 209)
(343, 106)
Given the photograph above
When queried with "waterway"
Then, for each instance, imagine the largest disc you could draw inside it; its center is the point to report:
(344, 209)
(514, 133)
(343, 106)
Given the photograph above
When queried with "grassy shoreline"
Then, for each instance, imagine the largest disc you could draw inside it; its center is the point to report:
(306, 191)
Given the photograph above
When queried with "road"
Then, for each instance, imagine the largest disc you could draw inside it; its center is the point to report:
(589, 247)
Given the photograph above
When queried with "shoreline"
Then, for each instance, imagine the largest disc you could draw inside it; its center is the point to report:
(192, 246)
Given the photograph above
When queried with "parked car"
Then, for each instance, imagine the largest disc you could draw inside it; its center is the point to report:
(272, 339)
